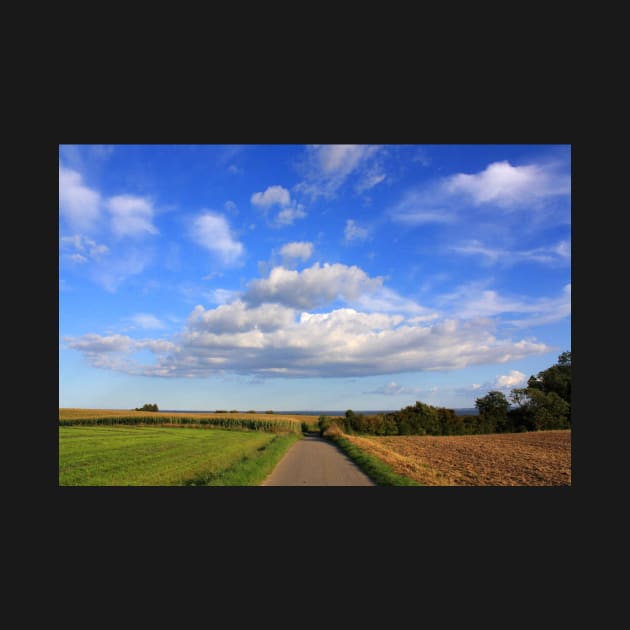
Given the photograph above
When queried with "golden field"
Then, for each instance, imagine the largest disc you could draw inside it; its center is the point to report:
(541, 458)
(68, 413)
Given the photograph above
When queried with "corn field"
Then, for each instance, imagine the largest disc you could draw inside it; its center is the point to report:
(269, 426)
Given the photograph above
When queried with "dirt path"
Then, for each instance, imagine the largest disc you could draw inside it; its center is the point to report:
(314, 461)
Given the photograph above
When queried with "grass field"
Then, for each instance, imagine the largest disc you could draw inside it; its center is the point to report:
(541, 458)
(161, 456)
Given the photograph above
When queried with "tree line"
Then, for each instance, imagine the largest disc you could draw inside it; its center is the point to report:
(544, 404)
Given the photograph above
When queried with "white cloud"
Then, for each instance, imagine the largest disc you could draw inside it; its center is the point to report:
(556, 254)
(370, 179)
(328, 166)
(212, 231)
(79, 249)
(499, 185)
(473, 301)
(78, 204)
(237, 317)
(272, 339)
(503, 383)
(287, 216)
(318, 286)
(418, 207)
(354, 232)
(297, 250)
(87, 247)
(508, 186)
(508, 381)
(312, 287)
(274, 195)
(146, 320)
(131, 215)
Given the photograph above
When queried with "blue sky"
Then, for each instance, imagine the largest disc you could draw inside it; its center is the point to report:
(293, 277)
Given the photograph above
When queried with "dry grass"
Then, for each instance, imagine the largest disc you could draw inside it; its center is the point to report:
(511, 459)
(68, 413)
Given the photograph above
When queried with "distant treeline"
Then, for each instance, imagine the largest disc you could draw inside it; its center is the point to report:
(544, 404)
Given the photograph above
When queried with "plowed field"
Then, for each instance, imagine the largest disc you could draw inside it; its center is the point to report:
(541, 458)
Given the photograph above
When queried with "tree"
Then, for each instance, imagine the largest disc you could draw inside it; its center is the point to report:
(148, 407)
(555, 379)
(539, 410)
(493, 412)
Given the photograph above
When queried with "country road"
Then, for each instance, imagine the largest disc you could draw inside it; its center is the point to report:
(314, 461)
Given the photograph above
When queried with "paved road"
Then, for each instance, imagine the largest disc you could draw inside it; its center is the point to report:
(313, 461)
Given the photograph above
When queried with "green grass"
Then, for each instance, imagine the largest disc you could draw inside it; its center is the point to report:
(161, 456)
(378, 471)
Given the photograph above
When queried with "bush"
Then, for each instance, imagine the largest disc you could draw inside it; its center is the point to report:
(323, 423)
(304, 427)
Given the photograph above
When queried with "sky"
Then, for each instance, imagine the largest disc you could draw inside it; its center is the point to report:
(318, 277)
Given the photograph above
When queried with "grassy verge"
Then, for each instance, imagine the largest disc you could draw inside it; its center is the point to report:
(158, 456)
(250, 470)
(373, 467)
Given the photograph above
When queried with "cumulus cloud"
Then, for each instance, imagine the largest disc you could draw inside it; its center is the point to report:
(273, 195)
(508, 381)
(315, 286)
(297, 250)
(354, 232)
(507, 186)
(272, 339)
(131, 215)
(78, 204)
(212, 231)
(327, 167)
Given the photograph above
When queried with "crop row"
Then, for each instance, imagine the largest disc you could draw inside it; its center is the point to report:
(270, 426)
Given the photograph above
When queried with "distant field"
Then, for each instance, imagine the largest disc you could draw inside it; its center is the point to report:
(541, 458)
(161, 456)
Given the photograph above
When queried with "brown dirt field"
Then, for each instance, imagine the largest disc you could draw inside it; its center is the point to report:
(541, 458)
(68, 413)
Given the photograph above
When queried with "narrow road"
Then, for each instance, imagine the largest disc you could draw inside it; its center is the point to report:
(314, 461)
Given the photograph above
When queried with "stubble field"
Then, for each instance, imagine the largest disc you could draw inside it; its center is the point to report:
(541, 458)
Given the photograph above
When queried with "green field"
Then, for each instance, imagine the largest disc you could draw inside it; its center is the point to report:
(162, 456)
